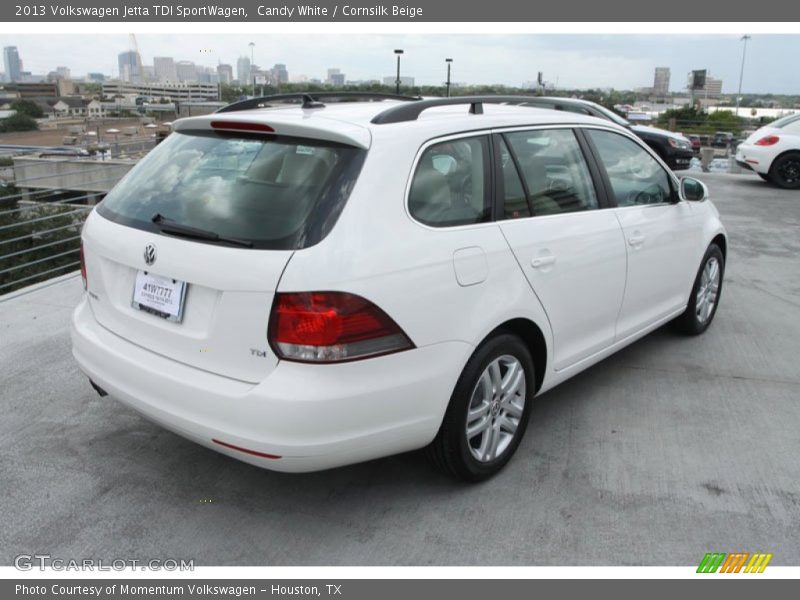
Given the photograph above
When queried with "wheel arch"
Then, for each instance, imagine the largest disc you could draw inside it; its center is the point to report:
(782, 154)
(721, 241)
(533, 337)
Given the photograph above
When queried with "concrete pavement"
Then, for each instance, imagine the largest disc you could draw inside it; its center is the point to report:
(672, 448)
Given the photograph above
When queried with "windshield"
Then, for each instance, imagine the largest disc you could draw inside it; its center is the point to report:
(277, 193)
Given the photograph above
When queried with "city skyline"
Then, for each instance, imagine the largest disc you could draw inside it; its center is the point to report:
(568, 61)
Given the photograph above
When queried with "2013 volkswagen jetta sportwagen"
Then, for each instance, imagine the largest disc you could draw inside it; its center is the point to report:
(308, 286)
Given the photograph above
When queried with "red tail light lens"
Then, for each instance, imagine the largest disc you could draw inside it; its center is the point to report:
(83, 268)
(769, 140)
(332, 327)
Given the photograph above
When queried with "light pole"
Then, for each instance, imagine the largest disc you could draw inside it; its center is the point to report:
(449, 62)
(744, 39)
(252, 60)
(397, 81)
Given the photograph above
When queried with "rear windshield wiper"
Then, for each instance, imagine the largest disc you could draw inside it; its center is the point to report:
(169, 226)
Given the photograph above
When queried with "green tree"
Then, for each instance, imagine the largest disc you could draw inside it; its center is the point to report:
(37, 241)
(18, 122)
(28, 107)
(725, 120)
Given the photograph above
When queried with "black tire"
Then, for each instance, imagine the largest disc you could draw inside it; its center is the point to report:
(450, 451)
(689, 322)
(765, 177)
(785, 171)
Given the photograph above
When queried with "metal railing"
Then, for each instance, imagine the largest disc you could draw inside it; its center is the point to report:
(40, 229)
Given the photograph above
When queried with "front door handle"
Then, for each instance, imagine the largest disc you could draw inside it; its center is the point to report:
(542, 261)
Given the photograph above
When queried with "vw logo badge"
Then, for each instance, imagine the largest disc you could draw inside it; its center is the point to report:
(150, 254)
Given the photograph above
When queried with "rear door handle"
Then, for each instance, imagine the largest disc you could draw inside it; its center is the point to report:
(637, 239)
(542, 261)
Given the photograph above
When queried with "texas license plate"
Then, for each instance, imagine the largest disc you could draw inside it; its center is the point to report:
(160, 296)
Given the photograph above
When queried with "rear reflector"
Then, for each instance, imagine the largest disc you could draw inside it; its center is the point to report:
(238, 126)
(245, 450)
(769, 140)
(331, 327)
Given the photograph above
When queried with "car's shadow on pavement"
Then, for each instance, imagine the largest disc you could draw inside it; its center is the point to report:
(193, 471)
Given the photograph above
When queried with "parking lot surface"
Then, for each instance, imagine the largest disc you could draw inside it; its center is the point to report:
(670, 449)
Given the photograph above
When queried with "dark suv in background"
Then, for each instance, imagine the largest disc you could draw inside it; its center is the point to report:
(673, 148)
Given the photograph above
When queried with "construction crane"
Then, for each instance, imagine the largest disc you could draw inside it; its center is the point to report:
(133, 46)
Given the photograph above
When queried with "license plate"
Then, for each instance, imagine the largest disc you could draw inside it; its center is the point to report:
(160, 296)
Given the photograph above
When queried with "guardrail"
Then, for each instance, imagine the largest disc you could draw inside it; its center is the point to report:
(40, 229)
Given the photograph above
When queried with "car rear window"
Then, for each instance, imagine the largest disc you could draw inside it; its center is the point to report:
(274, 192)
(783, 121)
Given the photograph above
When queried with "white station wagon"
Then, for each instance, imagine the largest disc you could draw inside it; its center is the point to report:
(303, 285)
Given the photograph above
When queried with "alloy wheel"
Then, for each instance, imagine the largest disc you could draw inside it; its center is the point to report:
(496, 408)
(708, 290)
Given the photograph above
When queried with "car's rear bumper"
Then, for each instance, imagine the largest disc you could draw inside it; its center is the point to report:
(310, 416)
(753, 157)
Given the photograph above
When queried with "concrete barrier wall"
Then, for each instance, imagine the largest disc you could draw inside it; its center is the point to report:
(78, 174)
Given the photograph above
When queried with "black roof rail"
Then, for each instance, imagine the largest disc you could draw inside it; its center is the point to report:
(412, 111)
(312, 99)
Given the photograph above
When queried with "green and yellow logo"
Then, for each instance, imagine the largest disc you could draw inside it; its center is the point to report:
(737, 562)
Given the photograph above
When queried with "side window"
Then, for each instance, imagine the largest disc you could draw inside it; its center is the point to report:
(451, 184)
(554, 170)
(515, 202)
(636, 177)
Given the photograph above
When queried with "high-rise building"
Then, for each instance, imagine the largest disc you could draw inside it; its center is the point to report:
(13, 63)
(243, 70)
(335, 76)
(164, 69)
(60, 74)
(225, 73)
(661, 82)
(130, 66)
(711, 89)
(186, 71)
(280, 74)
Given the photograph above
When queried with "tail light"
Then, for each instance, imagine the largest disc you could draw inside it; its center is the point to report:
(325, 327)
(83, 268)
(769, 140)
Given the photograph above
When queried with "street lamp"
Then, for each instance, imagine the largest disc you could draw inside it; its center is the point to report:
(397, 81)
(744, 39)
(252, 60)
(449, 62)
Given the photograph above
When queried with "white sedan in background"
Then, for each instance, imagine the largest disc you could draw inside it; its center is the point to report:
(774, 152)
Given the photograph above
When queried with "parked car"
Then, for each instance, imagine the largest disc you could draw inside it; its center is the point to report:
(673, 148)
(774, 152)
(722, 139)
(311, 286)
(64, 151)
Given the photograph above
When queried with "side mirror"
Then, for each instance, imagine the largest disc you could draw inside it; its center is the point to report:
(693, 190)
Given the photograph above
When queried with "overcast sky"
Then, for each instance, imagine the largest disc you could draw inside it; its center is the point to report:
(574, 61)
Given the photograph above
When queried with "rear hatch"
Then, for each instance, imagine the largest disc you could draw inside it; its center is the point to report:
(184, 255)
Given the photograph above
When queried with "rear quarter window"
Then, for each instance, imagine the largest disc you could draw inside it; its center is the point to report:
(451, 184)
